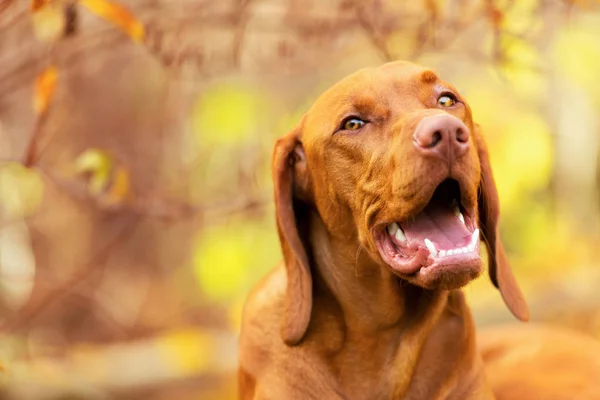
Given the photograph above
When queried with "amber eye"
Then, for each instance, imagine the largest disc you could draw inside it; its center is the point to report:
(353, 124)
(446, 100)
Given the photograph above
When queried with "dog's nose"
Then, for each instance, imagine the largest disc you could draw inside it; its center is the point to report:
(442, 135)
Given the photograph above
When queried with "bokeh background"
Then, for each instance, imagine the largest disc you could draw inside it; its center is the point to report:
(135, 192)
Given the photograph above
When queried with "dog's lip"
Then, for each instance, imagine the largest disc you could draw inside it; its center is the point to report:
(404, 265)
(420, 260)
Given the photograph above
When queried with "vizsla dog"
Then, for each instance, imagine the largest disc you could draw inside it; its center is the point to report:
(383, 193)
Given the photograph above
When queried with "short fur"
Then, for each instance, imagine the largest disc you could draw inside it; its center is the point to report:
(334, 321)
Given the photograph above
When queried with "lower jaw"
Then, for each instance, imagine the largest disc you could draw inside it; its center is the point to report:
(448, 275)
(422, 269)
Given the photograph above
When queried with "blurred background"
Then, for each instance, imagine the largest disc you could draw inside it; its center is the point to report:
(135, 191)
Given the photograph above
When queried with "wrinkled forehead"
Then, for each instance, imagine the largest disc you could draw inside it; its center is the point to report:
(372, 91)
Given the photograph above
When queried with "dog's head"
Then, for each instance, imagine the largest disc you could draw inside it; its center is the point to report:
(391, 160)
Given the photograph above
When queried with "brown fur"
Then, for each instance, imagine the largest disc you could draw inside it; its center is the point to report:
(334, 321)
(534, 362)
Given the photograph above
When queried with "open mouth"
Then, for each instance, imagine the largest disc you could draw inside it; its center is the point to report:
(442, 235)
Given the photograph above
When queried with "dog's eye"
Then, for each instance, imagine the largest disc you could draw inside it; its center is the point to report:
(447, 100)
(352, 124)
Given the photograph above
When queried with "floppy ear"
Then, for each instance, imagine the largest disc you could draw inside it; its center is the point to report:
(291, 182)
(489, 213)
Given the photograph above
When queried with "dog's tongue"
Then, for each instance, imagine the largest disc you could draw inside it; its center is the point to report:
(438, 223)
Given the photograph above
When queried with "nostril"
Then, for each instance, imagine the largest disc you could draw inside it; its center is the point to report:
(462, 136)
(436, 137)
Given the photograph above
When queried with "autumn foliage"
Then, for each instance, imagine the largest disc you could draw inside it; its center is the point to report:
(135, 192)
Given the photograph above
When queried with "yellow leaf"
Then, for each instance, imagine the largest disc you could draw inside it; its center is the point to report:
(229, 257)
(576, 51)
(49, 20)
(118, 15)
(44, 89)
(119, 190)
(21, 190)
(532, 171)
(522, 16)
(519, 67)
(226, 115)
(99, 165)
(190, 352)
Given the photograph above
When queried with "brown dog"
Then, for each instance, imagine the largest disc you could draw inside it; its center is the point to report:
(382, 194)
(536, 362)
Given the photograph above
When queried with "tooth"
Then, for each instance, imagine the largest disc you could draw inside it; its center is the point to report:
(393, 228)
(431, 247)
(450, 252)
(475, 236)
(456, 210)
(442, 253)
(400, 235)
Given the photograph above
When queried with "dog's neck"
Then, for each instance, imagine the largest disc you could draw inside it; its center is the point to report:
(383, 317)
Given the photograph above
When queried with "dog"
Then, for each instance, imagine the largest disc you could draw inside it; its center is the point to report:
(384, 194)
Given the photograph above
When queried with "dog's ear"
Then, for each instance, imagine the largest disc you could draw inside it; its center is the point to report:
(489, 213)
(292, 187)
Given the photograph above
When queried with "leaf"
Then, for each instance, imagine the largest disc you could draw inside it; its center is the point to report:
(21, 191)
(49, 21)
(17, 263)
(521, 59)
(522, 17)
(229, 257)
(109, 182)
(118, 15)
(98, 164)
(119, 191)
(44, 89)
(190, 352)
(227, 115)
(576, 50)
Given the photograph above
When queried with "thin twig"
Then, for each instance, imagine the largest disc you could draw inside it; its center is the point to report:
(242, 22)
(30, 156)
(375, 37)
(96, 262)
